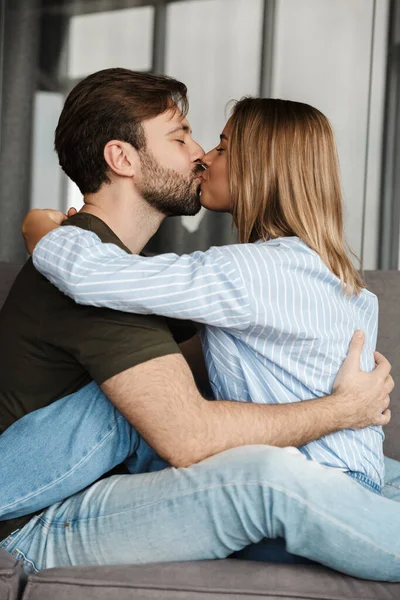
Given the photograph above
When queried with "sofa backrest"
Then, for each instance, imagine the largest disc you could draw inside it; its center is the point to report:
(386, 285)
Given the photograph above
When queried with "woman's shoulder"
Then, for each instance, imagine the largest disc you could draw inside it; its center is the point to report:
(290, 246)
(283, 250)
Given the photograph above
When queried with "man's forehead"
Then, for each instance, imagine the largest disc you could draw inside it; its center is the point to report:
(177, 120)
(171, 120)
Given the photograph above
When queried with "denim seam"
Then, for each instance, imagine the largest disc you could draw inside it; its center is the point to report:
(7, 507)
(19, 554)
(367, 481)
(247, 484)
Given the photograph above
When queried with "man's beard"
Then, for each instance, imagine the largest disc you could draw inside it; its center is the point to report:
(167, 190)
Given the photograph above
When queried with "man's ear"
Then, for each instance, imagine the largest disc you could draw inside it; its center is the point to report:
(122, 158)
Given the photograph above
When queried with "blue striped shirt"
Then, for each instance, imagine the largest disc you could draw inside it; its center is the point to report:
(278, 324)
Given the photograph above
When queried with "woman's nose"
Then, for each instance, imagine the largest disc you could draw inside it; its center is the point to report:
(207, 159)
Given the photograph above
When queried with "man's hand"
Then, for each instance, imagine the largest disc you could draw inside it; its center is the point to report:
(364, 397)
(39, 222)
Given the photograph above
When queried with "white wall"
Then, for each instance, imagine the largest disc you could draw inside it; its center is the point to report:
(47, 177)
(331, 54)
(118, 38)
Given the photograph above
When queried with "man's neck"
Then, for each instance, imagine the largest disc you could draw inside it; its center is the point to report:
(134, 222)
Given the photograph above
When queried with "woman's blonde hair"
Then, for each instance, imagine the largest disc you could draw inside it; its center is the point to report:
(284, 180)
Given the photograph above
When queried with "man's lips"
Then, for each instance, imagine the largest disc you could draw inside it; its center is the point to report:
(200, 176)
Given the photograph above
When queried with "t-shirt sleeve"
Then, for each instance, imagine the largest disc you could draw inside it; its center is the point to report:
(107, 342)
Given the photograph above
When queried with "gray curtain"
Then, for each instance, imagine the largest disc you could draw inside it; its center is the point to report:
(20, 32)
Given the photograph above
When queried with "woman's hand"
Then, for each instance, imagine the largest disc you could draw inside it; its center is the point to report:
(38, 222)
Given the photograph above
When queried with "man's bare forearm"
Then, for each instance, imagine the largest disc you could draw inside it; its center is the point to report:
(159, 398)
(227, 424)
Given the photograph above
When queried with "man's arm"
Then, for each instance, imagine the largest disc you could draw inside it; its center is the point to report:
(160, 399)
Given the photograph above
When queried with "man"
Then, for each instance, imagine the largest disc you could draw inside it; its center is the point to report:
(122, 137)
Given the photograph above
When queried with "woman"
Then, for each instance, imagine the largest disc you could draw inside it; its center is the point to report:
(279, 308)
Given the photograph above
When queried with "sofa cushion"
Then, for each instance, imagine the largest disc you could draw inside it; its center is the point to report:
(11, 577)
(204, 580)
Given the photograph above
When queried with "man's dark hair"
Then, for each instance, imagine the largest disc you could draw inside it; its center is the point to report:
(110, 104)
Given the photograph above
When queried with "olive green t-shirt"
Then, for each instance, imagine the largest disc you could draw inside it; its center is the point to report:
(51, 347)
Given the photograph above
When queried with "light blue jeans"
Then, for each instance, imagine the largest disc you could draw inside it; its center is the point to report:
(208, 510)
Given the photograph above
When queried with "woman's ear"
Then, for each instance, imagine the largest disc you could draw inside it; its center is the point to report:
(121, 158)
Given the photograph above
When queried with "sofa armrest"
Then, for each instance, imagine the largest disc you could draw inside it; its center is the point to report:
(12, 577)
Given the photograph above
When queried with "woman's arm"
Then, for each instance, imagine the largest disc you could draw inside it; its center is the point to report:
(206, 287)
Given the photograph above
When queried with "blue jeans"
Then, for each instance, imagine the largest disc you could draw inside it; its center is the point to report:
(209, 510)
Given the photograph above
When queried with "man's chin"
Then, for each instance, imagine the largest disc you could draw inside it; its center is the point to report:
(189, 208)
(192, 206)
(194, 209)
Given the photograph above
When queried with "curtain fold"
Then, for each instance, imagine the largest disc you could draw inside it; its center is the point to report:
(20, 43)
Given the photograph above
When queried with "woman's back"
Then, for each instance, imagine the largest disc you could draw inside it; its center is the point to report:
(300, 327)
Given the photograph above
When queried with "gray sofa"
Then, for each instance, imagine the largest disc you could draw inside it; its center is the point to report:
(219, 579)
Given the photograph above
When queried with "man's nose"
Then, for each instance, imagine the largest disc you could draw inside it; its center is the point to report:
(198, 153)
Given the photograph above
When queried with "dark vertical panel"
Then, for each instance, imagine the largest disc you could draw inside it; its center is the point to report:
(390, 207)
(267, 48)
(159, 38)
